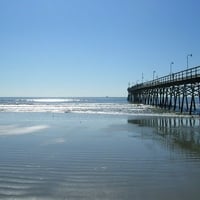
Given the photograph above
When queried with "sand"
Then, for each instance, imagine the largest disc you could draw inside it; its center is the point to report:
(87, 156)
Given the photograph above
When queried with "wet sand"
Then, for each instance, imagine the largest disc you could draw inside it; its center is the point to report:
(79, 156)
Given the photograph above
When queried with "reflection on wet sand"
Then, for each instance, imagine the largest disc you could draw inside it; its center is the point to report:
(77, 157)
(184, 132)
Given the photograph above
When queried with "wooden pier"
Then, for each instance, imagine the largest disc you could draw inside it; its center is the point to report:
(177, 91)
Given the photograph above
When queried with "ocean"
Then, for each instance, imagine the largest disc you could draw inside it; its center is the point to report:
(96, 148)
(91, 105)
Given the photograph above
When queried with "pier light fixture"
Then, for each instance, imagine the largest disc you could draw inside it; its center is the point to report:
(171, 67)
(187, 59)
(154, 72)
(142, 77)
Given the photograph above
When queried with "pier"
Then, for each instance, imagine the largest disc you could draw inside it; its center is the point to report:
(179, 91)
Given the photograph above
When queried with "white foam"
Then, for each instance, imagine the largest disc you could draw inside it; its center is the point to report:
(52, 100)
(81, 107)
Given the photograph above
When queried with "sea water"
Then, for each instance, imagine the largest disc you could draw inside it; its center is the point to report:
(96, 148)
(71, 105)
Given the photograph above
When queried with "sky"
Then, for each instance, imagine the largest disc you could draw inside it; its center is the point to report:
(83, 48)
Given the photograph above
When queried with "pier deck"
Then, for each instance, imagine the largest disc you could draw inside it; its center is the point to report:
(178, 91)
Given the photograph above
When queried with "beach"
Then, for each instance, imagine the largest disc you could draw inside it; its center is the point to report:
(99, 100)
(53, 155)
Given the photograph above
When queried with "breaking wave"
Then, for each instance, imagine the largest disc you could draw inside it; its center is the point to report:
(113, 106)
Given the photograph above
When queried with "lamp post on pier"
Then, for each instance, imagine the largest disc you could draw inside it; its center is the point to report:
(154, 74)
(142, 77)
(187, 59)
(171, 67)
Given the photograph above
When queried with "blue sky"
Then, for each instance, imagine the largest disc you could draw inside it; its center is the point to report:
(93, 47)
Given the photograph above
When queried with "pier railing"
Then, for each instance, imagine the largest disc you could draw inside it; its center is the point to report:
(178, 78)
